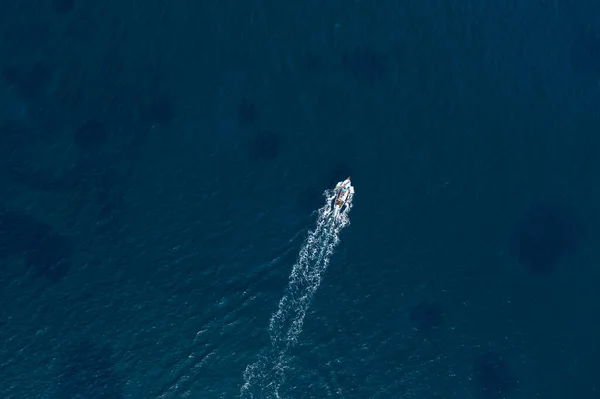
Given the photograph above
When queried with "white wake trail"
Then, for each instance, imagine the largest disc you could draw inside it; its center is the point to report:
(263, 378)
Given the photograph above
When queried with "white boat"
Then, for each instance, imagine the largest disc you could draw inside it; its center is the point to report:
(344, 192)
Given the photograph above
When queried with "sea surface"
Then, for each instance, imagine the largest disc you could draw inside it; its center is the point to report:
(165, 174)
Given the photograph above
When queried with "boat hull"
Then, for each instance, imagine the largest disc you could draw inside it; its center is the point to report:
(344, 192)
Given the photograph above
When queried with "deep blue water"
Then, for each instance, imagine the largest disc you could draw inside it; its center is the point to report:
(162, 162)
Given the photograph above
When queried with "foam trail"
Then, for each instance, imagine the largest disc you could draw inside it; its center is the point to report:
(263, 378)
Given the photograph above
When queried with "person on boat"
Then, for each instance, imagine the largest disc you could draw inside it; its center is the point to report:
(341, 196)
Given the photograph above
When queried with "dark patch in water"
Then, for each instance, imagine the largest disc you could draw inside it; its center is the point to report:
(11, 75)
(46, 252)
(87, 372)
(545, 236)
(247, 113)
(35, 80)
(49, 257)
(264, 146)
(365, 64)
(37, 180)
(11, 134)
(105, 188)
(585, 54)
(91, 135)
(310, 62)
(11, 130)
(160, 111)
(63, 6)
(28, 82)
(426, 316)
(493, 376)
